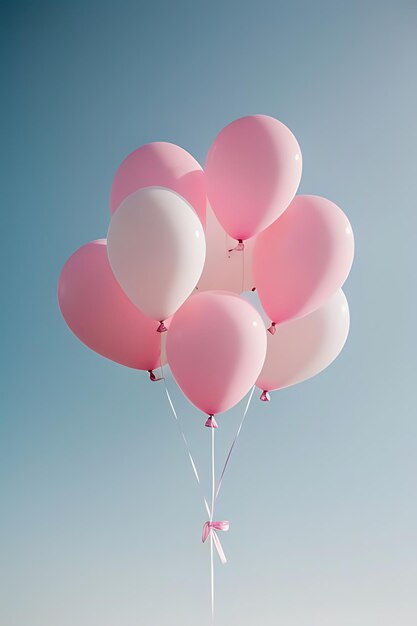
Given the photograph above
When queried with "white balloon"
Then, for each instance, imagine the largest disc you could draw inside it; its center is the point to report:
(225, 270)
(156, 249)
(304, 347)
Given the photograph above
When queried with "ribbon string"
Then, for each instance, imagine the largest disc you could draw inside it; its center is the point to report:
(243, 269)
(211, 527)
(187, 447)
(234, 441)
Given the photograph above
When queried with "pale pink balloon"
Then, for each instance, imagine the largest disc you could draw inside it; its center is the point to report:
(161, 164)
(304, 347)
(303, 258)
(100, 314)
(225, 270)
(253, 170)
(156, 247)
(216, 348)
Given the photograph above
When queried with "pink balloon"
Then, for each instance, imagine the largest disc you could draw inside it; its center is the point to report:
(304, 347)
(224, 270)
(216, 347)
(161, 164)
(303, 258)
(100, 314)
(253, 170)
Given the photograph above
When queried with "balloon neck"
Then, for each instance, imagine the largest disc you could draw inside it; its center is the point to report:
(161, 328)
(153, 377)
(211, 422)
(264, 396)
(273, 328)
(239, 248)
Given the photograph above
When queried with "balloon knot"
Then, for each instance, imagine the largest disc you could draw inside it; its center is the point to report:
(240, 246)
(272, 329)
(153, 377)
(211, 422)
(253, 289)
(161, 328)
(265, 396)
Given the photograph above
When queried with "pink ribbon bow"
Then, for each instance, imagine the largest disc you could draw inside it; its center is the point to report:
(210, 528)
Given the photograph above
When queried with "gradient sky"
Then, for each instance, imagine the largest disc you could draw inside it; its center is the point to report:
(100, 518)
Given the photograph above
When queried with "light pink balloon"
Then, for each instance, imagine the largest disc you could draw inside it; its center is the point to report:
(253, 170)
(228, 271)
(161, 164)
(100, 314)
(156, 248)
(304, 347)
(216, 347)
(303, 258)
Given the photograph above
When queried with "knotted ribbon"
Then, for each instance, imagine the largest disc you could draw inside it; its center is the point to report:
(239, 248)
(264, 397)
(210, 528)
(153, 377)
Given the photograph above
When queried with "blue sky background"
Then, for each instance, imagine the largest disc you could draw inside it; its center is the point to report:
(100, 518)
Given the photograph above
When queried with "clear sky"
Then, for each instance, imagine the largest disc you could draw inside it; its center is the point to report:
(100, 518)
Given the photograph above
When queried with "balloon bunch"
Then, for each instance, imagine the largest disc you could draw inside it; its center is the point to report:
(184, 244)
